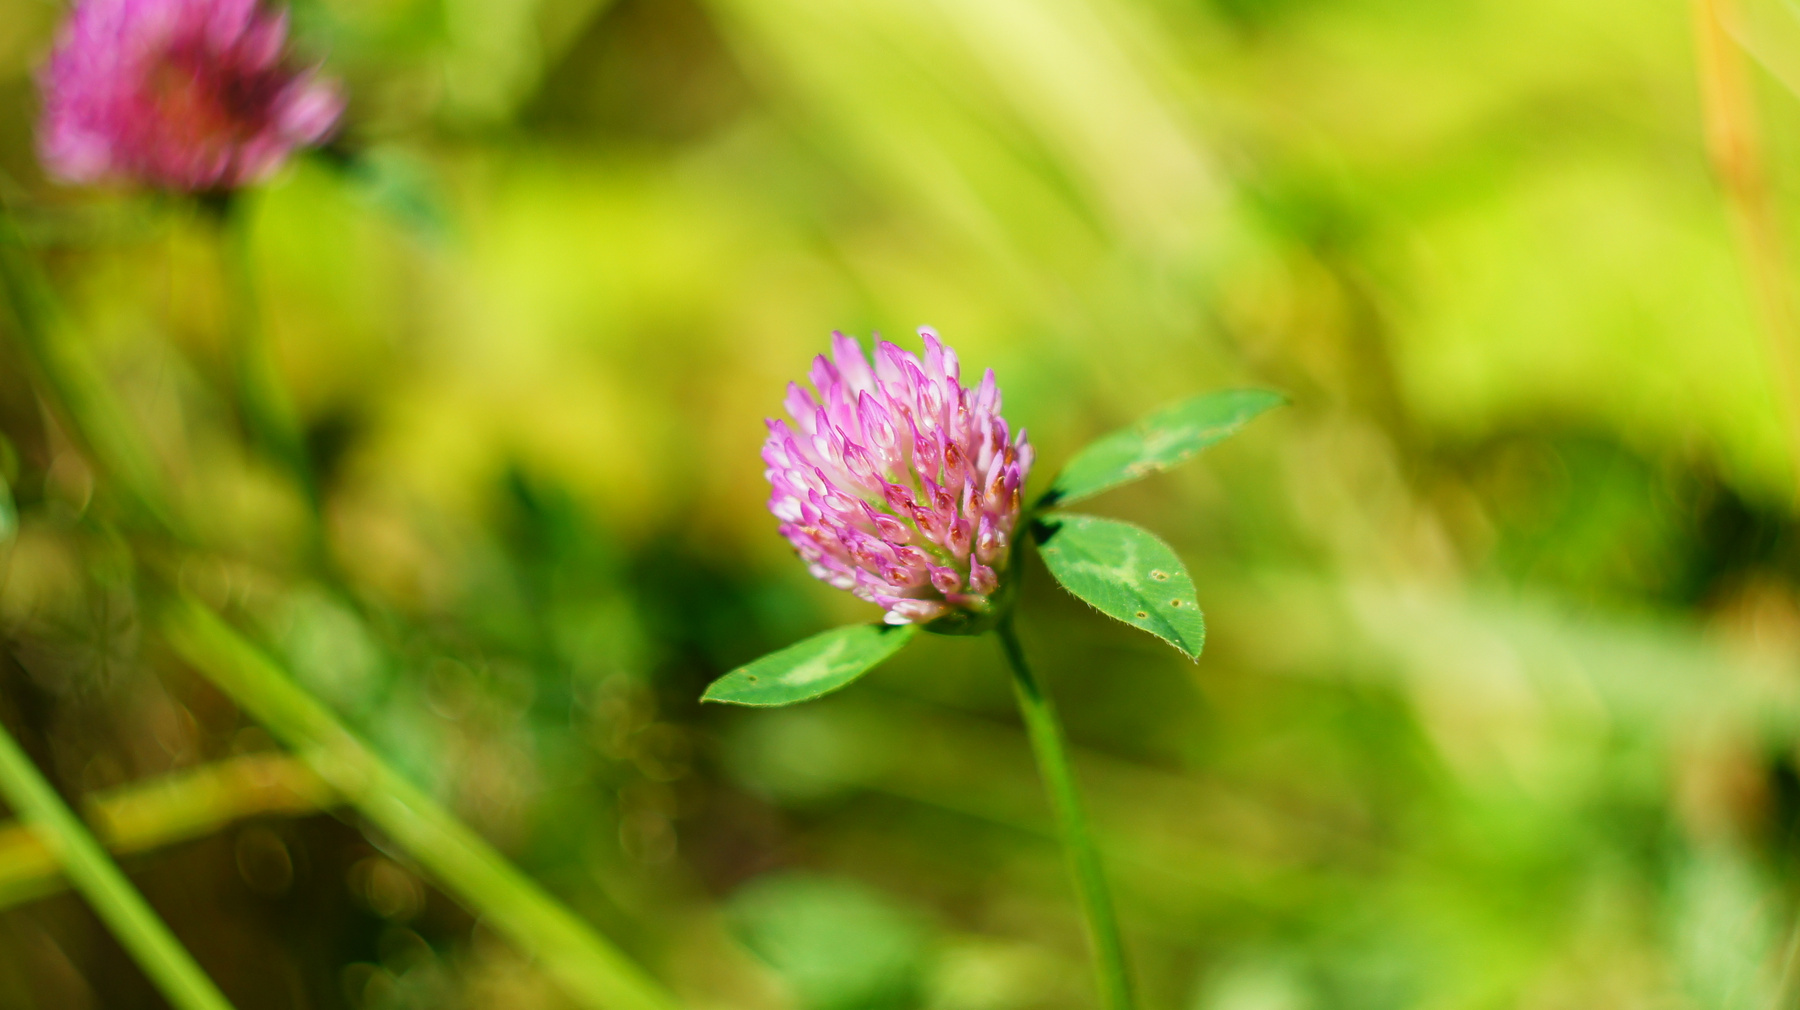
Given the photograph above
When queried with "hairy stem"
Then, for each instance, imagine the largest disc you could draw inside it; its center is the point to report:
(103, 884)
(1047, 742)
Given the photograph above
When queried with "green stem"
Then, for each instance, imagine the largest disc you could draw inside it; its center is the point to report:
(104, 885)
(1059, 781)
(590, 968)
(267, 411)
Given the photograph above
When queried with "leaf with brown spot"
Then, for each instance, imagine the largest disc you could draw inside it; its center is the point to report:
(808, 669)
(1114, 566)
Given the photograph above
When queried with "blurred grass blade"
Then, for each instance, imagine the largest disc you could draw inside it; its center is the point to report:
(174, 808)
(1126, 572)
(104, 885)
(808, 669)
(1734, 142)
(90, 410)
(9, 512)
(1769, 30)
(1167, 438)
(588, 966)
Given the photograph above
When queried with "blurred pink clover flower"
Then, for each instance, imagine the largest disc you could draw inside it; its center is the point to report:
(188, 95)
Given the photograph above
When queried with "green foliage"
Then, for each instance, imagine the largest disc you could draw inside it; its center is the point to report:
(1125, 572)
(103, 884)
(819, 665)
(399, 187)
(1167, 438)
(1498, 706)
(1770, 31)
(837, 944)
(589, 967)
(9, 511)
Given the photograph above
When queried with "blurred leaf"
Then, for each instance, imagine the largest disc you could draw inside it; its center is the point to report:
(1258, 984)
(399, 186)
(1769, 30)
(9, 513)
(819, 665)
(1126, 572)
(837, 944)
(331, 652)
(1168, 437)
(1724, 931)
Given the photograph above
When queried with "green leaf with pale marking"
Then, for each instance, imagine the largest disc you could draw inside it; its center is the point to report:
(1166, 438)
(819, 665)
(1126, 572)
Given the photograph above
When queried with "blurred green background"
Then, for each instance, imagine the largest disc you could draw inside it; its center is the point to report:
(1501, 702)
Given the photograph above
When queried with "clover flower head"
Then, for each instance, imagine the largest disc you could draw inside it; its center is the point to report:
(190, 95)
(897, 482)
